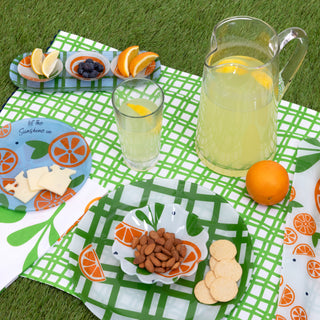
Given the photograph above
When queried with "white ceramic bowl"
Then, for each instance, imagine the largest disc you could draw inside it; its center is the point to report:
(25, 70)
(174, 218)
(142, 74)
(73, 61)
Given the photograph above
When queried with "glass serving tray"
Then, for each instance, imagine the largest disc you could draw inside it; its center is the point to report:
(64, 82)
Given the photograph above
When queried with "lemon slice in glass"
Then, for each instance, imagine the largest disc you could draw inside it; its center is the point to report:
(49, 63)
(140, 110)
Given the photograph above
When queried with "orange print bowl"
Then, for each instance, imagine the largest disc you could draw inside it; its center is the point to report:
(173, 218)
(25, 70)
(147, 71)
(72, 64)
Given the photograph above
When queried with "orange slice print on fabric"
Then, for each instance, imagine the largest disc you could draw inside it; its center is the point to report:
(8, 160)
(292, 193)
(5, 130)
(287, 298)
(69, 150)
(85, 211)
(290, 236)
(305, 224)
(4, 182)
(281, 281)
(317, 195)
(313, 269)
(124, 233)
(303, 249)
(191, 259)
(279, 317)
(298, 313)
(47, 199)
(90, 265)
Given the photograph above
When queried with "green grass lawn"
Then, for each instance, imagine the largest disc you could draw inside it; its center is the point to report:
(179, 31)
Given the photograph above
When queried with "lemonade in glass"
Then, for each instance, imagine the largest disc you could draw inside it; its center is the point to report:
(138, 105)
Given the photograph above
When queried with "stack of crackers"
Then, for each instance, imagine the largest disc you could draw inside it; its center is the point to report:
(220, 282)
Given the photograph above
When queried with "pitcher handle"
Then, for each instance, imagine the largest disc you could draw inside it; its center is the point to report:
(295, 61)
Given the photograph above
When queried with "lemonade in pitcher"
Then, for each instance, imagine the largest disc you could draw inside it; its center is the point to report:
(237, 116)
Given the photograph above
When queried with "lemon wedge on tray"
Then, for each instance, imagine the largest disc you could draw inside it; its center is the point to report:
(37, 58)
(49, 63)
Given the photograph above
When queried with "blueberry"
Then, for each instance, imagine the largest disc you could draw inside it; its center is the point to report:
(89, 61)
(98, 66)
(88, 67)
(80, 71)
(85, 74)
(81, 65)
(93, 74)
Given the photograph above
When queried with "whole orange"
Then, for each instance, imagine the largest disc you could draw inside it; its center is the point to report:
(267, 182)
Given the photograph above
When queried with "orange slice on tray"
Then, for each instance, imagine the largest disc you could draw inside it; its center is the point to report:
(47, 199)
(125, 58)
(90, 265)
(141, 61)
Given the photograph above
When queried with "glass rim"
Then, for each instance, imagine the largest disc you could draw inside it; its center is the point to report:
(234, 18)
(138, 116)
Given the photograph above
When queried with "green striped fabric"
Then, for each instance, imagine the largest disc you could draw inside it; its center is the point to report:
(91, 114)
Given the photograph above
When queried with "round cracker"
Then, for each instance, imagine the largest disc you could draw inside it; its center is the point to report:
(223, 289)
(212, 263)
(229, 269)
(202, 293)
(223, 249)
(209, 278)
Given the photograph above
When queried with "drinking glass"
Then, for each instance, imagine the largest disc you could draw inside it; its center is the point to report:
(138, 107)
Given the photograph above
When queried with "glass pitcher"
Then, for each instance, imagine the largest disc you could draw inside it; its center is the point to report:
(241, 89)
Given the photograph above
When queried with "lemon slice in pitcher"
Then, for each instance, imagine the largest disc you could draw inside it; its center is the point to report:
(229, 68)
(49, 63)
(262, 78)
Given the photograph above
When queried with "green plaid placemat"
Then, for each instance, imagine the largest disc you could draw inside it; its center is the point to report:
(91, 114)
